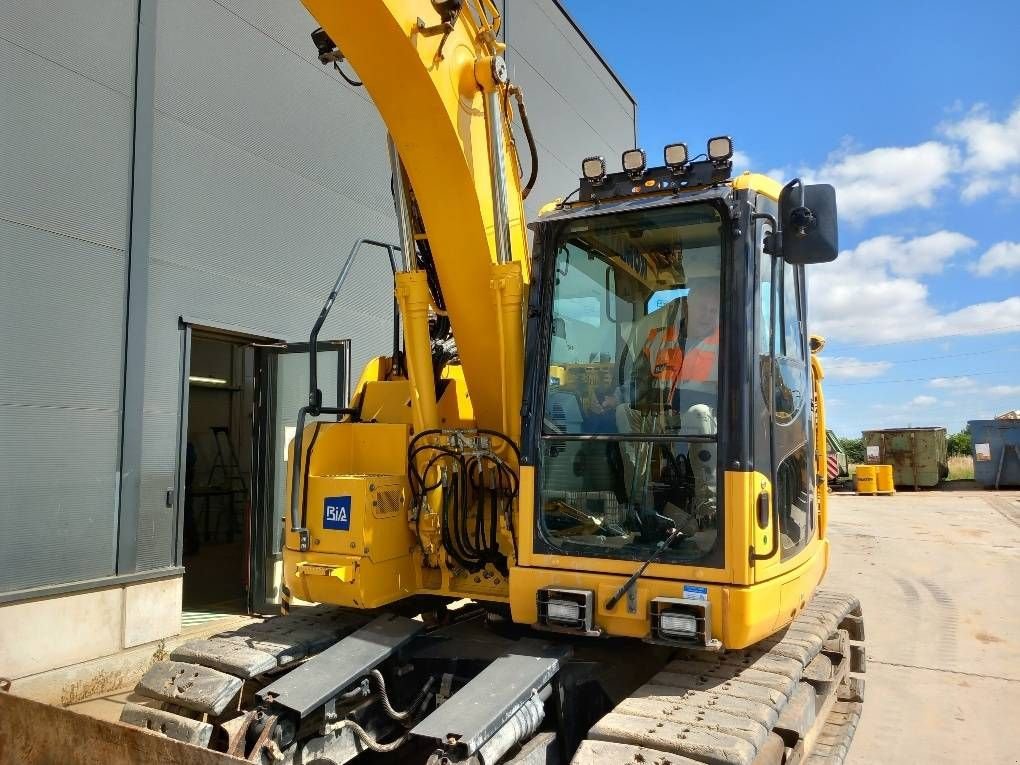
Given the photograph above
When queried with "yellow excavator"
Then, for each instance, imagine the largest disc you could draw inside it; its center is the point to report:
(579, 513)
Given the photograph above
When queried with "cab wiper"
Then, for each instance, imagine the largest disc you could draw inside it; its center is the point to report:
(615, 597)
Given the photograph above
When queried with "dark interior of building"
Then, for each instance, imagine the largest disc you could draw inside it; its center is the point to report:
(217, 497)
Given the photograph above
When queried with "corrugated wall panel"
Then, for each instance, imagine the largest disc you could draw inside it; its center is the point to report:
(266, 168)
(575, 106)
(94, 38)
(66, 124)
(59, 407)
(66, 159)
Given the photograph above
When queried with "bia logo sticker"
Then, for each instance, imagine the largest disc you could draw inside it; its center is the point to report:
(336, 513)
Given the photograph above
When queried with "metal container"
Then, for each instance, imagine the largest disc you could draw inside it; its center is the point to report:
(996, 450)
(918, 456)
(884, 483)
(864, 479)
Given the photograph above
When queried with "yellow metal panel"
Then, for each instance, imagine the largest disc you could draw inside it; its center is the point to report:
(434, 110)
(310, 576)
(455, 404)
(741, 616)
(387, 401)
(757, 182)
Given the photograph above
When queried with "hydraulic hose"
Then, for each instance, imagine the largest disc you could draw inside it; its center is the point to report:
(533, 175)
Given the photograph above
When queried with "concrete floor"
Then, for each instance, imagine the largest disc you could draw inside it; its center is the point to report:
(937, 574)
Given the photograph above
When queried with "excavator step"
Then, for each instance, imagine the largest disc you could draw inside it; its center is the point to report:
(789, 695)
(191, 686)
(323, 676)
(167, 723)
(474, 713)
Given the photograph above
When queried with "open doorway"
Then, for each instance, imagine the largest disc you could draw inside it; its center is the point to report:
(217, 456)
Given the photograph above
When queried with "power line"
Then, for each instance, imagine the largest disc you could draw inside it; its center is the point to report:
(851, 365)
(988, 331)
(918, 379)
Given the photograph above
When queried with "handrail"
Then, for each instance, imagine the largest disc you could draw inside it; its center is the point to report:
(314, 394)
(298, 521)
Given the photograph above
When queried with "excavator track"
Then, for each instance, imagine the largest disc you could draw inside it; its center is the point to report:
(796, 697)
(202, 689)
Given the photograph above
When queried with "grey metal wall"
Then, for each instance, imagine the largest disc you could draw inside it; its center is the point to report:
(66, 120)
(575, 104)
(266, 166)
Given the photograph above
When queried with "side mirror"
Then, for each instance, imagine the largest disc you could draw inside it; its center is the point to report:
(807, 218)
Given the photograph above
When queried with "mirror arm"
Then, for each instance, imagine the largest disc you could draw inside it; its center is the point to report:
(773, 244)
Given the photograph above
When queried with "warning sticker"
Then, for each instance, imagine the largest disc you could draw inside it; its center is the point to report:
(695, 592)
(983, 452)
(873, 454)
(336, 514)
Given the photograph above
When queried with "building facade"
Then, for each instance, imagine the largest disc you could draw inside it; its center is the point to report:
(179, 184)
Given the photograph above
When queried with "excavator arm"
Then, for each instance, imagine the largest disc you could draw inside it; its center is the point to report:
(435, 73)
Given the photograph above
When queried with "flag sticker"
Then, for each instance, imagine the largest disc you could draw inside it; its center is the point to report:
(336, 514)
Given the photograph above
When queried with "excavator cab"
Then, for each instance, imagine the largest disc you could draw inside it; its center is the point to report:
(669, 417)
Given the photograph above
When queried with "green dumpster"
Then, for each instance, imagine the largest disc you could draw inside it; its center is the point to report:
(918, 456)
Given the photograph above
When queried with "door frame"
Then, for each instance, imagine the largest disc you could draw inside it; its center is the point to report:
(188, 327)
(266, 451)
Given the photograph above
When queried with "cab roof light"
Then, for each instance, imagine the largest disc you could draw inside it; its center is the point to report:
(720, 148)
(674, 156)
(594, 170)
(634, 162)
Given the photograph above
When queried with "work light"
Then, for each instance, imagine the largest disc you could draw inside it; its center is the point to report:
(675, 156)
(678, 625)
(720, 148)
(563, 611)
(594, 169)
(634, 162)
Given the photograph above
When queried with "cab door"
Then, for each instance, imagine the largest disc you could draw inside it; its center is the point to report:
(786, 392)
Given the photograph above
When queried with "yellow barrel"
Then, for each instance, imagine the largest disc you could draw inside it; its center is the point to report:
(864, 479)
(884, 479)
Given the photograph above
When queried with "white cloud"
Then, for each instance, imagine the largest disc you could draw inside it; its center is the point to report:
(741, 161)
(869, 294)
(953, 382)
(990, 151)
(975, 152)
(1003, 390)
(886, 180)
(1003, 256)
(850, 368)
(912, 257)
(923, 401)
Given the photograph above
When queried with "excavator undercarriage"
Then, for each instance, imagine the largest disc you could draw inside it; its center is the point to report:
(328, 685)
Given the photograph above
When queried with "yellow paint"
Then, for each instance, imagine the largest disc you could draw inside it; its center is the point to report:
(412, 292)
(741, 616)
(447, 164)
(821, 441)
(757, 182)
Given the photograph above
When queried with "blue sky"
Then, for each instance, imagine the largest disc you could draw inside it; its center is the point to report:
(912, 110)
